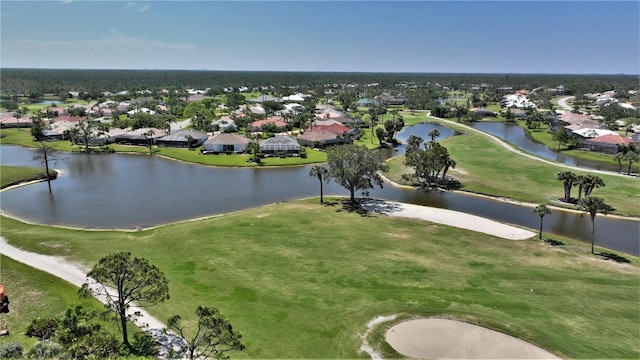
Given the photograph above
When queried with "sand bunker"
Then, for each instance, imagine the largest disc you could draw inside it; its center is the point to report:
(450, 339)
(448, 217)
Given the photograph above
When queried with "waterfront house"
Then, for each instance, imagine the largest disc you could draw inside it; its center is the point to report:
(225, 143)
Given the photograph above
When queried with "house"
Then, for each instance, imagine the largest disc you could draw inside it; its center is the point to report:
(291, 108)
(518, 100)
(144, 110)
(183, 138)
(519, 113)
(14, 122)
(225, 143)
(295, 97)
(58, 130)
(225, 124)
(388, 99)
(51, 135)
(334, 128)
(316, 137)
(140, 136)
(108, 137)
(365, 102)
(484, 112)
(280, 144)
(276, 120)
(265, 98)
(609, 144)
(587, 133)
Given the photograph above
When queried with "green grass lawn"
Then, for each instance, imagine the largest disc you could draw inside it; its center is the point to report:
(485, 167)
(11, 175)
(301, 280)
(33, 293)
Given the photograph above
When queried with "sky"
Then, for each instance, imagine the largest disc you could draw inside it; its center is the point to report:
(552, 37)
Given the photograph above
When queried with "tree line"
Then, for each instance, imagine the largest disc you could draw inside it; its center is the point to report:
(36, 82)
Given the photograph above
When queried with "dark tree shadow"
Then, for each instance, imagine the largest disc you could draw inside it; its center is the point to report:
(369, 207)
(554, 242)
(615, 257)
(331, 203)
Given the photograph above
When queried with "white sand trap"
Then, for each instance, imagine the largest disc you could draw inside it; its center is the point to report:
(448, 217)
(450, 339)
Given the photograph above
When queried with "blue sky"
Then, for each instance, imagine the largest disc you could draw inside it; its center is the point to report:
(562, 37)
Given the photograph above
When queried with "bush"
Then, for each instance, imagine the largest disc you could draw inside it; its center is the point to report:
(11, 350)
(46, 350)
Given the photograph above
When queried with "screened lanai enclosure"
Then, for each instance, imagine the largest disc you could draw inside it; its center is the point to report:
(280, 144)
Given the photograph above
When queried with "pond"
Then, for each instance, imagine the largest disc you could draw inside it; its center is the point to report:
(139, 191)
(519, 137)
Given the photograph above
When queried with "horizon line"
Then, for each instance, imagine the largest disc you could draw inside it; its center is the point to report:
(323, 71)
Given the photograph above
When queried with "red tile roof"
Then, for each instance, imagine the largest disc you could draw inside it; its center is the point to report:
(336, 128)
(259, 123)
(612, 139)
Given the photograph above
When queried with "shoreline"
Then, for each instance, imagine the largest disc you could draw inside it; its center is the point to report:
(506, 200)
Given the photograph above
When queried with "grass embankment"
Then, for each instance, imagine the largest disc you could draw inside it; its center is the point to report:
(33, 293)
(301, 280)
(12, 175)
(485, 167)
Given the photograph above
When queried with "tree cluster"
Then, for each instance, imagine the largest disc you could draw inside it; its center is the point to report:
(431, 162)
(585, 183)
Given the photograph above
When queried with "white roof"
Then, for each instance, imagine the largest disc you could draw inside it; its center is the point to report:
(591, 133)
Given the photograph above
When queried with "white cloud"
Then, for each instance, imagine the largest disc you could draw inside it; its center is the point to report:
(138, 7)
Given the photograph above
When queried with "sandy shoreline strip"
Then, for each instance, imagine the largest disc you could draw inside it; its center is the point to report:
(448, 217)
(450, 339)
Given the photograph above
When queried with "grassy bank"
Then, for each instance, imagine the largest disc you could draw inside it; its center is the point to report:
(12, 175)
(33, 293)
(485, 167)
(302, 280)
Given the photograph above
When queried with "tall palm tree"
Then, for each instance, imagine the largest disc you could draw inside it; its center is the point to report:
(322, 173)
(373, 118)
(630, 157)
(434, 134)
(541, 210)
(149, 136)
(593, 205)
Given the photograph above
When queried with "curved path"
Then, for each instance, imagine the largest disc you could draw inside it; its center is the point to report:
(563, 103)
(74, 274)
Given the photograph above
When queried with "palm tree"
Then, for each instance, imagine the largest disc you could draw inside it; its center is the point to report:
(580, 182)
(593, 205)
(434, 134)
(619, 158)
(591, 182)
(253, 147)
(630, 157)
(322, 173)
(567, 178)
(541, 210)
(373, 115)
(149, 136)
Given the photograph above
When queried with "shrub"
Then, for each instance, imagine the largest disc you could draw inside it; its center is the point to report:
(11, 350)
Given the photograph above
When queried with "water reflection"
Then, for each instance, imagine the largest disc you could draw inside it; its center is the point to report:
(517, 136)
(137, 191)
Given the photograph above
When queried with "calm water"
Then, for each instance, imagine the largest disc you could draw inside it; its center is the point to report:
(137, 191)
(517, 136)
